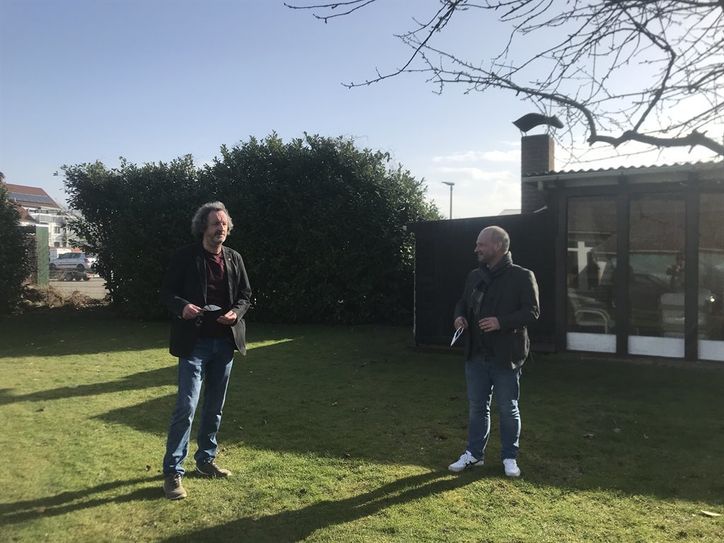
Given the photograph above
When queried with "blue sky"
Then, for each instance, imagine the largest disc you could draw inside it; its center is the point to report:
(151, 80)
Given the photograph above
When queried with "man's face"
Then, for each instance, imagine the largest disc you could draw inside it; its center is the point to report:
(217, 227)
(486, 248)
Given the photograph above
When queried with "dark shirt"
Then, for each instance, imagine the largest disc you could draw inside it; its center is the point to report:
(217, 293)
(483, 342)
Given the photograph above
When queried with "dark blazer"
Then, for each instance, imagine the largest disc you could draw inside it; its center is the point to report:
(511, 295)
(185, 283)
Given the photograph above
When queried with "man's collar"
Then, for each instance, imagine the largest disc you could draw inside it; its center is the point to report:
(503, 262)
(221, 249)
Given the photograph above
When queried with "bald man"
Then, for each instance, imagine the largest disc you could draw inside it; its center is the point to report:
(499, 302)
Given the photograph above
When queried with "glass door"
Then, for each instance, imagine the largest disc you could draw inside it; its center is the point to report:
(591, 261)
(711, 277)
(656, 276)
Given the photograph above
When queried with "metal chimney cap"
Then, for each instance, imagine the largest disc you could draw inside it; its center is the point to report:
(531, 120)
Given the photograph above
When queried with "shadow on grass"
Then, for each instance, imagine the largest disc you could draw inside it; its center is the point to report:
(65, 331)
(358, 392)
(67, 502)
(363, 395)
(136, 381)
(298, 524)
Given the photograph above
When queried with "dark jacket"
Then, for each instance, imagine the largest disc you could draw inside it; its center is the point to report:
(185, 283)
(509, 293)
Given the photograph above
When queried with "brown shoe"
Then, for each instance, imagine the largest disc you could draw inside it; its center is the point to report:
(173, 488)
(210, 469)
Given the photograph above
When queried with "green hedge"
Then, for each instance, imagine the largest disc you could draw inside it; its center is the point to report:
(318, 222)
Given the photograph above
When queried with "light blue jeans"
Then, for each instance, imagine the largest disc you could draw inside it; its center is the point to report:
(209, 363)
(486, 378)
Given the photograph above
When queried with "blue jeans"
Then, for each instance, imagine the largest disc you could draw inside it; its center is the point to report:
(485, 377)
(210, 362)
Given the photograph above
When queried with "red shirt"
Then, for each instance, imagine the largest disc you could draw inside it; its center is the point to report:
(217, 293)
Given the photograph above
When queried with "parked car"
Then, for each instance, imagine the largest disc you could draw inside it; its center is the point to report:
(73, 261)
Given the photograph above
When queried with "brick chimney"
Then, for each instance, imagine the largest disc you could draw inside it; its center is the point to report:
(536, 157)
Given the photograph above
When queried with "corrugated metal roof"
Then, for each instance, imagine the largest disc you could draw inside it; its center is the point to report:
(677, 166)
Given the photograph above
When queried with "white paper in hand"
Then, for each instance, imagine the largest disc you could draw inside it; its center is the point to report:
(456, 335)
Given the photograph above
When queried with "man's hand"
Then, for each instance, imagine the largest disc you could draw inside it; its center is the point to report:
(191, 311)
(460, 321)
(489, 324)
(227, 318)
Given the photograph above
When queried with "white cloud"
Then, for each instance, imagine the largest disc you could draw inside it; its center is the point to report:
(512, 155)
(469, 173)
(477, 192)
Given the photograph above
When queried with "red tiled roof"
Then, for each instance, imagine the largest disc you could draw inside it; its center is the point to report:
(27, 196)
(25, 189)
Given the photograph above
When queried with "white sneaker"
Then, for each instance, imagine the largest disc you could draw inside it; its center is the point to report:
(511, 467)
(465, 461)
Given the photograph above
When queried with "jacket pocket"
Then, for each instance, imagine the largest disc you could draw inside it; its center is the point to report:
(520, 345)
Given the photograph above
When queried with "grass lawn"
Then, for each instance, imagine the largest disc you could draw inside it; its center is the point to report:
(344, 434)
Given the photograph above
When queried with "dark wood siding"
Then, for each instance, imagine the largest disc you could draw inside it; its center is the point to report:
(444, 256)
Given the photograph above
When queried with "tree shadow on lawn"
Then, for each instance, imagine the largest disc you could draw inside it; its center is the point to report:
(296, 525)
(67, 502)
(136, 381)
(382, 403)
(65, 331)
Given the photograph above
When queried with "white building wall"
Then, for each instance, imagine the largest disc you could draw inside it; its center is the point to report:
(57, 220)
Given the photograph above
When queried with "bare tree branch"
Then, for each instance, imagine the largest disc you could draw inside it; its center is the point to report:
(356, 4)
(649, 71)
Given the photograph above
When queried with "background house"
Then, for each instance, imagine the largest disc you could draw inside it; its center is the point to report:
(39, 207)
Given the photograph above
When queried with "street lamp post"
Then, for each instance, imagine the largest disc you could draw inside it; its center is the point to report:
(451, 185)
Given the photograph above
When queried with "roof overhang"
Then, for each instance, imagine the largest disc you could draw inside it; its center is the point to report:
(677, 173)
